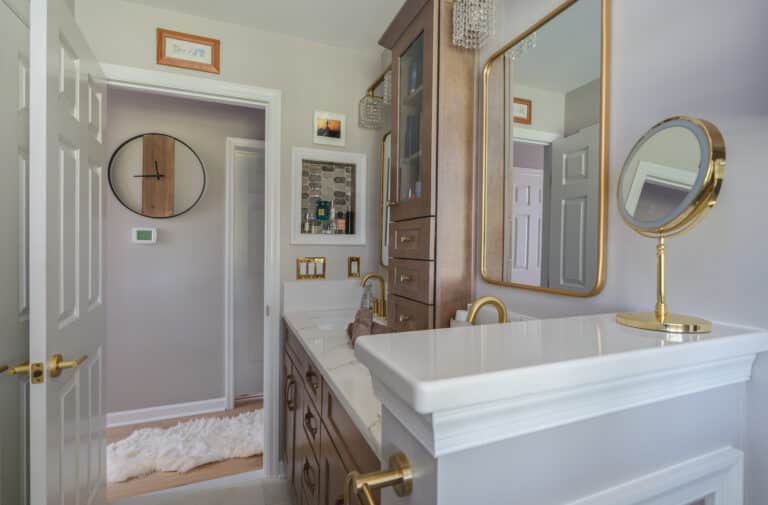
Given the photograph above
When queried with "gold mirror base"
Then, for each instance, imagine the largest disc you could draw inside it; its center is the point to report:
(672, 323)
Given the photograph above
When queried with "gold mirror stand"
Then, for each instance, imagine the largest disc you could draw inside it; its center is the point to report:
(661, 319)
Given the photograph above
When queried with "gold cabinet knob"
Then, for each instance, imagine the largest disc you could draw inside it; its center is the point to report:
(56, 364)
(405, 239)
(403, 318)
(405, 278)
(392, 203)
(399, 477)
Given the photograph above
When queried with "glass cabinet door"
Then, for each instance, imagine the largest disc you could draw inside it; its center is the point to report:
(411, 191)
(411, 87)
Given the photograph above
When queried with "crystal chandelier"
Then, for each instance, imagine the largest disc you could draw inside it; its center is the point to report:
(473, 22)
(372, 107)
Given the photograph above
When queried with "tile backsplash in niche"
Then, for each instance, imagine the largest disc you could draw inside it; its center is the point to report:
(327, 185)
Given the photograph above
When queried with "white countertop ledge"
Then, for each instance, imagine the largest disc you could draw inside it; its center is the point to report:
(461, 387)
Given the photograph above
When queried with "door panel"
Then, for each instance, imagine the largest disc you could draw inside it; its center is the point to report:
(523, 250)
(575, 211)
(67, 316)
(14, 153)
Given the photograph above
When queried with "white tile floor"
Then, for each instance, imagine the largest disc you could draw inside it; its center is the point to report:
(243, 489)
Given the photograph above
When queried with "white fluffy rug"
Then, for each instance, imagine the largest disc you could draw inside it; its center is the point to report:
(186, 446)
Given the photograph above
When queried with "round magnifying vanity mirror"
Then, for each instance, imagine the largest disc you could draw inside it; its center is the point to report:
(670, 179)
(156, 175)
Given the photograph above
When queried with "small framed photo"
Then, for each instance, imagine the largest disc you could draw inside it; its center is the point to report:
(522, 110)
(184, 50)
(330, 129)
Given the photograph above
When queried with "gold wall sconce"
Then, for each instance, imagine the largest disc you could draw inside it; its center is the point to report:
(310, 268)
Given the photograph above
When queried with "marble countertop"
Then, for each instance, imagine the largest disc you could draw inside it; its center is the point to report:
(324, 337)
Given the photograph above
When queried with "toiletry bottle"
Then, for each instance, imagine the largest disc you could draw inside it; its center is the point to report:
(367, 301)
(341, 223)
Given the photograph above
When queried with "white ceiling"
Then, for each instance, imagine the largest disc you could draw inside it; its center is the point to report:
(345, 23)
(567, 52)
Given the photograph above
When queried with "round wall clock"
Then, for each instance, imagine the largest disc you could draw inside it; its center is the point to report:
(156, 175)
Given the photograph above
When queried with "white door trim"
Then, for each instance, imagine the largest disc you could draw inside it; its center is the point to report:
(270, 100)
(234, 144)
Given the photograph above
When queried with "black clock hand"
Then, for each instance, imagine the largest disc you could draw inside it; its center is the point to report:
(157, 175)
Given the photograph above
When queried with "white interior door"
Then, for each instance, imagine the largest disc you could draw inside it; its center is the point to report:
(522, 253)
(575, 209)
(14, 153)
(67, 317)
(249, 240)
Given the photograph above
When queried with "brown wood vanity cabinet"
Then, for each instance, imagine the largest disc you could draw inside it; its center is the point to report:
(321, 443)
(432, 183)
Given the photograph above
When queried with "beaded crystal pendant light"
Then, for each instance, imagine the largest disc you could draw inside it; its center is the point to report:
(371, 112)
(372, 108)
(473, 22)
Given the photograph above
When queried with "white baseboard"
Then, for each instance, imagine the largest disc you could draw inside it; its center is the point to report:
(127, 417)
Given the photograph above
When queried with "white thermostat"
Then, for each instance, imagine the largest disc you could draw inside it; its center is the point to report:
(144, 235)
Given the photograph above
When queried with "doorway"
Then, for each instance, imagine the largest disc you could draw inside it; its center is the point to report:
(168, 322)
(243, 225)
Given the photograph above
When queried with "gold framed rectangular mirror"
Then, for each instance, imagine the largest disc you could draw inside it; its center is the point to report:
(386, 165)
(544, 185)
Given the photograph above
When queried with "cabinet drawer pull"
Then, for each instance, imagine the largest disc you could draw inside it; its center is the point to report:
(404, 239)
(307, 479)
(290, 393)
(392, 203)
(404, 278)
(309, 423)
(313, 380)
(403, 318)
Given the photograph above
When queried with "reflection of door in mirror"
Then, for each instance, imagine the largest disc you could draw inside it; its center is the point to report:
(522, 253)
(573, 223)
(14, 221)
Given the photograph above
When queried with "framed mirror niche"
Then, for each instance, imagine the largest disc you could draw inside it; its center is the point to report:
(544, 154)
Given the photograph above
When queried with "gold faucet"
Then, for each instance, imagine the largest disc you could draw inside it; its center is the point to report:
(379, 304)
(481, 302)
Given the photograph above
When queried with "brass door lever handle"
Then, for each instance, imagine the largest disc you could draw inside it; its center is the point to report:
(399, 477)
(56, 364)
(20, 369)
(35, 371)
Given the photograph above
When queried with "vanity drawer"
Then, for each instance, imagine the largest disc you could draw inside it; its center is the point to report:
(347, 439)
(413, 239)
(305, 370)
(412, 279)
(407, 315)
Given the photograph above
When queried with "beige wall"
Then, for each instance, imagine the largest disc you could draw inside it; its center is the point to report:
(165, 316)
(582, 107)
(312, 76)
(664, 63)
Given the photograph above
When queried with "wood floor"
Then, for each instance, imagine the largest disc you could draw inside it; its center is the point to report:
(165, 480)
